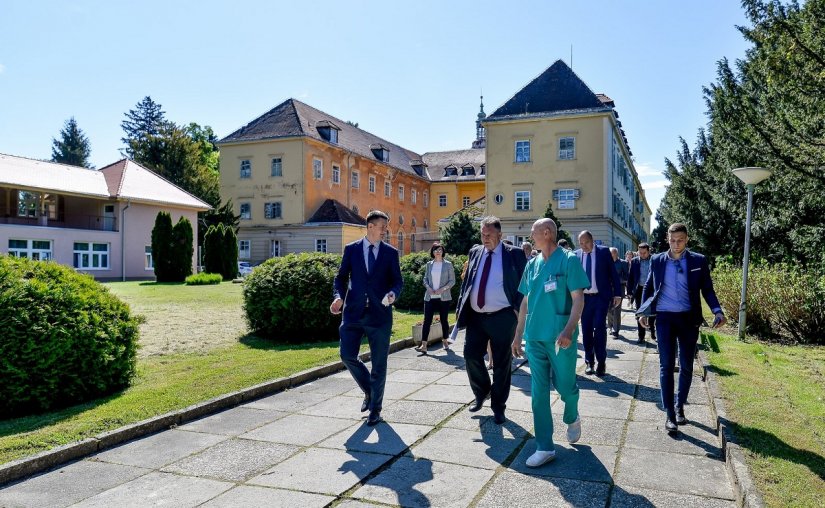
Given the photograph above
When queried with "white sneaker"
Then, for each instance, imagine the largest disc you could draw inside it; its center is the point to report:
(540, 458)
(574, 431)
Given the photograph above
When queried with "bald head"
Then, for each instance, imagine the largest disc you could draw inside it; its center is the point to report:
(544, 233)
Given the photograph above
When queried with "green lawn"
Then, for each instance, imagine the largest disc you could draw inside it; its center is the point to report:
(776, 401)
(213, 362)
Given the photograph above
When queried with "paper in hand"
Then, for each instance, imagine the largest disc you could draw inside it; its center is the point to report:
(453, 334)
(386, 301)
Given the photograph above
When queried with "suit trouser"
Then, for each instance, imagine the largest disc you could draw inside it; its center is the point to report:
(614, 318)
(673, 328)
(637, 300)
(594, 334)
(498, 328)
(443, 308)
(548, 369)
(378, 336)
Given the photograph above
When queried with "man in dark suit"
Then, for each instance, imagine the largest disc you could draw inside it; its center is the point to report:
(368, 282)
(488, 308)
(605, 291)
(676, 279)
(639, 271)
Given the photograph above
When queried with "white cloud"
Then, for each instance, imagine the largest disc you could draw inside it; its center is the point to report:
(658, 184)
(644, 169)
(2, 68)
(303, 95)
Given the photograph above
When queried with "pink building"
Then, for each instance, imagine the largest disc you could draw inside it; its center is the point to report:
(98, 221)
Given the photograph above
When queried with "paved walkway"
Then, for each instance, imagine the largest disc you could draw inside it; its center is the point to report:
(309, 447)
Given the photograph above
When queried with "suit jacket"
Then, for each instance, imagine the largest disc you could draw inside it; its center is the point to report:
(513, 262)
(634, 274)
(447, 280)
(607, 279)
(357, 287)
(698, 281)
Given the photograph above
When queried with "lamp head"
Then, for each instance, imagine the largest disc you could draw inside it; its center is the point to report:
(752, 176)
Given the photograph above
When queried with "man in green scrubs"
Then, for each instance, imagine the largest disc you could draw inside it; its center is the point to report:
(548, 321)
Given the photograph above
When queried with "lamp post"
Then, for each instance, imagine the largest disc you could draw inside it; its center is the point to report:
(750, 177)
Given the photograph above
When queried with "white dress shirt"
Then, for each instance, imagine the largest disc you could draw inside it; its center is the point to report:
(594, 288)
(495, 298)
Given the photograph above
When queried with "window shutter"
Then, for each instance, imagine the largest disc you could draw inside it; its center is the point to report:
(577, 193)
(555, 194)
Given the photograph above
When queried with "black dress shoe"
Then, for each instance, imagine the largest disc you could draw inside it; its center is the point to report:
(365, 405)
(671, 427)
(499, 417)
(600, 369)
(374, 418)
(589, 370)
(680, 416)
(475, 406)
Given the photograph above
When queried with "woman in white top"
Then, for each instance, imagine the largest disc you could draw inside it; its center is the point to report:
(439, 277)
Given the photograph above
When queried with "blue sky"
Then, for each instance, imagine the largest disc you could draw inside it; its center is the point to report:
(410, 72)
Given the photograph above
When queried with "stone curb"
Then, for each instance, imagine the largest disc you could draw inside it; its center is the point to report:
(746, 494)
(49, 459)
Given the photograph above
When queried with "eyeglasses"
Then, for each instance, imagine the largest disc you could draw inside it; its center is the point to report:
(678, 264)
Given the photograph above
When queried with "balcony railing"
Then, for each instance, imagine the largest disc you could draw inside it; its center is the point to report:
(74, 221)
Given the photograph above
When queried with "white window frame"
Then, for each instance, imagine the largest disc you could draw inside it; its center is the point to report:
(336, 174)
(149, 262)
(30, 251)
(276, 169)
(317, 169)
(244, 249)
(567, 148)
(387, 189)
(333, 136)
(567, 199)
(426, 199)
(522, 201)
(401, 242)
(245, 170)
(372, 184)
(442, 200)
(93, 256)
(274, 248)
(356, 179)
(521, 153)
(413, 196)
(269, 210)
(248, 214)
(465, 201)
(321, 245)
(400, 192)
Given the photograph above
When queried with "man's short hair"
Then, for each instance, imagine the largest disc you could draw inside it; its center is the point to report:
(562, 243)
(491, 220)
(643, 245)
(586, 233)
(677, 227)
(435, 247)
(506, 242)
(527, 244)
(614, 250)
(375, 215)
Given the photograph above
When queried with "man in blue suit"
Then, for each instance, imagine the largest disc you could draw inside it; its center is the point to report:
(672, 288)
(368, 282)
(604, 292)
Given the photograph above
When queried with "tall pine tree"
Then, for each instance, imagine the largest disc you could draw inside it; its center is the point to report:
(460, 234)
(162, 247)
(562, 234)
(145, 120)
(73, 148)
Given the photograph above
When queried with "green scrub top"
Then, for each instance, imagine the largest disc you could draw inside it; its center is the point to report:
(548, 309)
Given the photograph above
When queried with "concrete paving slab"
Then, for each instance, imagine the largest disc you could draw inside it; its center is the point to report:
(455, 378)
(598, 431)
(518, 424)
(338, 407)
(691, 440)
(265, 497)
(68, 484)
(322, 471)
(698, 394)
(417, 376)
(301, 430)
(396, 363)
(431, 364)
(698, 415)
(600, 407)
(288, 401)
(468, 448)
(419, 412)
(393, 390)
(325, 385)
(419, 482)
(443, 393)
(617, 371)
(385, 438)
(523, 401)
(625, 496)
(515, 490)
(355, 504)
(521, 383)
(611, 390)
(466, 420)
(233, 460)
(233, 422)
(594, 462)
(675, 472)
(159, 449)
(622, 355)
(158, 489)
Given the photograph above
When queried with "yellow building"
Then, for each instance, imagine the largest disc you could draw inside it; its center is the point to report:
(555, 141)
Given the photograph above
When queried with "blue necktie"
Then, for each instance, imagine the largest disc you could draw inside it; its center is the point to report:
(588, 267)
(371, 258)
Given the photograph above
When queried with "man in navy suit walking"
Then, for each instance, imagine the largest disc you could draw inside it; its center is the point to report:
(604, 292)
(368, 282)
(673, 286)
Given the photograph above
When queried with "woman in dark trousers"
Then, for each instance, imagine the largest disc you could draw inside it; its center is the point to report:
(439, 277)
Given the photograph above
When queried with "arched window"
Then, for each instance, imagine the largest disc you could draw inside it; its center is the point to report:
(400, 242)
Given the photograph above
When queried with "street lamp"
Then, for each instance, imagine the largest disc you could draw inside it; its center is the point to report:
(750, 177)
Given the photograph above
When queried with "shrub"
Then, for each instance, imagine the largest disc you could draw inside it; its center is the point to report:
(412, 271)
(162, 247)
(182, 249)
(229, 265)
(202, 279)
(64, 338)
(785, 302)
(220, 251)
(287, 299)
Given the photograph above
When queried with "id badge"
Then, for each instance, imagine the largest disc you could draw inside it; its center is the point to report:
(550, 285)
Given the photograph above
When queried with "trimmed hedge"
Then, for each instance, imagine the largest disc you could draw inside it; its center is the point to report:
(785, 302)
(287, 298)
(64, 338)
(202, 279)
(412, 271)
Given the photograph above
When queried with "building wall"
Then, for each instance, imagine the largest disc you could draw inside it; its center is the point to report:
(455, 192)
(137, 223)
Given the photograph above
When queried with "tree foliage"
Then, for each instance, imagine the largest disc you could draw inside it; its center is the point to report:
(220, 251)
(143, 121)
(182, 249)
(162, 247)
(73, 147)
(460, 234)
(562, 234)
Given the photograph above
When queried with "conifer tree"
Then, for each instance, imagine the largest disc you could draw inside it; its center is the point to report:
(162, 247)
(460, 234)
(562, 234)
(182, 249)
(145, 120)
(73, 147)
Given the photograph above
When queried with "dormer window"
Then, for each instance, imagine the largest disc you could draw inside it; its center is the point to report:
(468, 170)
(328, 131)
(483, 169)
(380, 151)
(418, 166)
(451, 170)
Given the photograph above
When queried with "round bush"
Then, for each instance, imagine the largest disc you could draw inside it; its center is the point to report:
(287, 298)
(202, 279)
(64, 338)
(412, 271)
